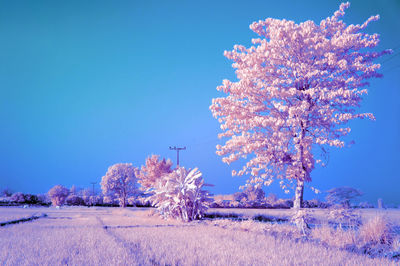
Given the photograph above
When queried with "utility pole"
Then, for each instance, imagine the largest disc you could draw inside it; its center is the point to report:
(177, 149)
(93, 183)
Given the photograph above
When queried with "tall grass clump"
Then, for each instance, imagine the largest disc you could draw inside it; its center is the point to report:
(377, 231)
(338, 237)
(376, 238)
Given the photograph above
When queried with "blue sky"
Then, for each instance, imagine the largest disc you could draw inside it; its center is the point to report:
(86, 84)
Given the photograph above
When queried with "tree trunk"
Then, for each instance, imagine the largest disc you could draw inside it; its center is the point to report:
(123, 200)
(298, 195)
(124, 192)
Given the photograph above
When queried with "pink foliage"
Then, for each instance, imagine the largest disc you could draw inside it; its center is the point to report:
(297, 87)
(153, 171)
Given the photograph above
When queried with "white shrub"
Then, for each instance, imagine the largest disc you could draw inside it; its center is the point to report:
(179, 195)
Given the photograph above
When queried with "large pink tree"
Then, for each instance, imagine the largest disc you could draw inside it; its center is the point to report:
(297, 88)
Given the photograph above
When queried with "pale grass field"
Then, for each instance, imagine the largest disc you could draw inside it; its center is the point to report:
(113, 236)
(10, 214)
(392, 215)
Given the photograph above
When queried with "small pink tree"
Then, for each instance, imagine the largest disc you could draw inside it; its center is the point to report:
(119, 182)
(58, 195)
(297, 88)
(153, 170)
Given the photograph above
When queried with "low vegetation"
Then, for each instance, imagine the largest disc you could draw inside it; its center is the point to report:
(180, 195)
(134, 236)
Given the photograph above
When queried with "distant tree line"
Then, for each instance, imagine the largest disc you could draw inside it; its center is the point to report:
(251, 197)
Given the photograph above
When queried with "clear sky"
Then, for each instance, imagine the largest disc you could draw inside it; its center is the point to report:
(86, 84)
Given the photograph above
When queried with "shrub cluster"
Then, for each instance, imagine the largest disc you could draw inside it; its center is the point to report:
(238, 200)
(180, 195)
(19, 198)
(376, 237)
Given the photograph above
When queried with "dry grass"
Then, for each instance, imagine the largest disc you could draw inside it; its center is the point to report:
(396, 244)
(78, 241)
(334, 237)
(13, 213)
(206, 245)
(111, 236)
(377, 231)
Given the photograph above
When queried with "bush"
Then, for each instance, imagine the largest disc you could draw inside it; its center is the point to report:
(271, 198)
(43, 199)
(110, 201)
(215, 204)
(315, 203)
(139, 202)
(239, 196)
(31, 199)
(341, 215)
(21, 198)
(5, 201)
(283, 204)
(18, 197)
(132, 201)
(97, 200)
(143, 202)
(74, 200)
(254, 194)
(179, 195)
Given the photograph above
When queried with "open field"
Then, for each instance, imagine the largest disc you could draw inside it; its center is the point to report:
(392, 215)
(10, 214)
(114, 236)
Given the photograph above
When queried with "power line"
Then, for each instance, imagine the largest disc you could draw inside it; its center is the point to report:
(92, 199)
(392, 68)
(390, 58)
(177, 149)
(397, 47)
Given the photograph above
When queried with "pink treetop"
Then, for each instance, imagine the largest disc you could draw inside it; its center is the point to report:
(297, 87)
(153, 171)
